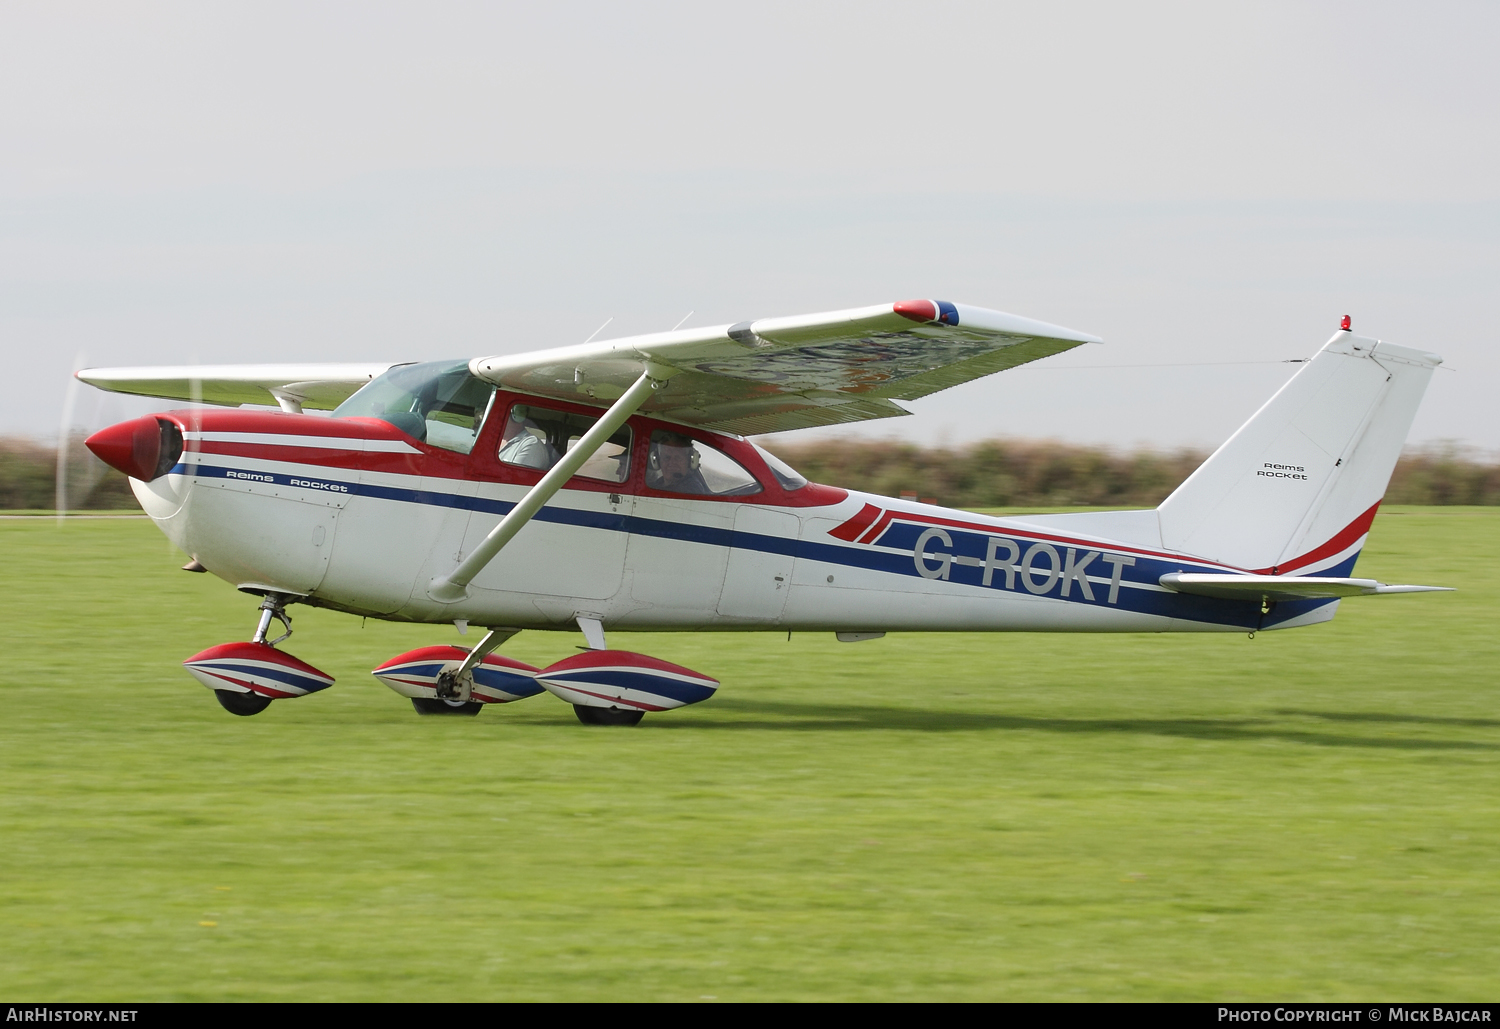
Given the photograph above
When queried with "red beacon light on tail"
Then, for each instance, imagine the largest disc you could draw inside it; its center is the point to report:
(1346, 323)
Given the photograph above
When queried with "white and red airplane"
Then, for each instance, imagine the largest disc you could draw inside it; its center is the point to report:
(610, 486)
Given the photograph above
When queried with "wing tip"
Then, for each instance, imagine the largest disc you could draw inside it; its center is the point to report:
(940, 311)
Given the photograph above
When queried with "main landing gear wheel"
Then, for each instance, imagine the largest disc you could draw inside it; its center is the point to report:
(608, 715)
(439, 706)
(242, 703)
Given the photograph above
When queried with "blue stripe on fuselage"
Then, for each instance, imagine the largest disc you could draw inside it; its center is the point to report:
(1147, 571)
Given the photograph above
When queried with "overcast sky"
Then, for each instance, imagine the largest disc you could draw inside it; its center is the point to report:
(1207, 187)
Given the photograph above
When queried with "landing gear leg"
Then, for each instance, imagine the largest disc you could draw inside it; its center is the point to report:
(246, 704)
(273, 606)
(456, 685)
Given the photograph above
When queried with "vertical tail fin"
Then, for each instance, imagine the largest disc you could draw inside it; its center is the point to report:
(1296, 488)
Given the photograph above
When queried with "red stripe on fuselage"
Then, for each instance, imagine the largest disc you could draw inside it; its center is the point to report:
(1003, 530)
(877, 528)
(851, 529)
(1343, 540)
(352, 461)
(482, 465)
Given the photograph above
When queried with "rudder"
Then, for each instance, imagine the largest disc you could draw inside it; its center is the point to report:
(1296, 488)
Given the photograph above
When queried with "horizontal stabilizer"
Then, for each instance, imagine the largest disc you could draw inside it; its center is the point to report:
(1282, 587)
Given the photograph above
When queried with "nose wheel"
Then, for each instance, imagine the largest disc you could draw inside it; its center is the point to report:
(608, 715)
(243, 704)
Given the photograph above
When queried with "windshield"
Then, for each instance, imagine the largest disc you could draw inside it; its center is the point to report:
(438, 403)
(785, 473)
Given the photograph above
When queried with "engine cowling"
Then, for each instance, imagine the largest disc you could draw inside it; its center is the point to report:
(621, 679)
(256, 668)
(497, 679)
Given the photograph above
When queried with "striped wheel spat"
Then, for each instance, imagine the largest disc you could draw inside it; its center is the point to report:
(256, 668)
(497, 679)
(618, 678)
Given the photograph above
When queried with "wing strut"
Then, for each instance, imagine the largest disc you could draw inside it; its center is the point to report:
(453, 587)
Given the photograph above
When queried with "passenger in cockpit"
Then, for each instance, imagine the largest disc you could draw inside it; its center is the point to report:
(526, 443)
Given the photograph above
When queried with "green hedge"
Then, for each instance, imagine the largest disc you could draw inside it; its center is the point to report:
(1027, 473)
(28, 478)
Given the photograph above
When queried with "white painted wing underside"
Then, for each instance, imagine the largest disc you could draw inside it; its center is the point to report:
(319, 387)
(776, 374)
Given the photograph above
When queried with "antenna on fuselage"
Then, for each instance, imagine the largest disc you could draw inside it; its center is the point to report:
(684, 318)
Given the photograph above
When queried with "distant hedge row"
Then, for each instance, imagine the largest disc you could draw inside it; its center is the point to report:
(28, 478)
(995, 473)
(1029, 473)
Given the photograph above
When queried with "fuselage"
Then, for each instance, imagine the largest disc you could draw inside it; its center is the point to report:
(356, 515)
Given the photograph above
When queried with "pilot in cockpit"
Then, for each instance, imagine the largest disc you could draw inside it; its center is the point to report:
(673, 464)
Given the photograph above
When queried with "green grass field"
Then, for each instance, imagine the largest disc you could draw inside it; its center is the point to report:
(1306, 815)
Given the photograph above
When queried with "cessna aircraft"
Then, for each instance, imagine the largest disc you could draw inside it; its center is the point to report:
(611, 485)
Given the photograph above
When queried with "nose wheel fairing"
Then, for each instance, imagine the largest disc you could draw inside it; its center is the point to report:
(246, 677)
(256, 668)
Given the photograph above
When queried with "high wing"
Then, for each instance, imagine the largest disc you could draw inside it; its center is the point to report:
(768, 375)
(775, 374)
(291, 386)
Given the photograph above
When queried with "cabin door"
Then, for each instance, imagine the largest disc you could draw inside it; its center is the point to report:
(759, 576)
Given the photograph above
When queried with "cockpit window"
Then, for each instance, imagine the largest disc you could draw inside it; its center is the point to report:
(681, 464)
(788, 476)
(537, 437)
(438, 403)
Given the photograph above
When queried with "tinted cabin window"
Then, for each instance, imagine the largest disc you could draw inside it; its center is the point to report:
(537, 438)
(438, 403)
(680, 464)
